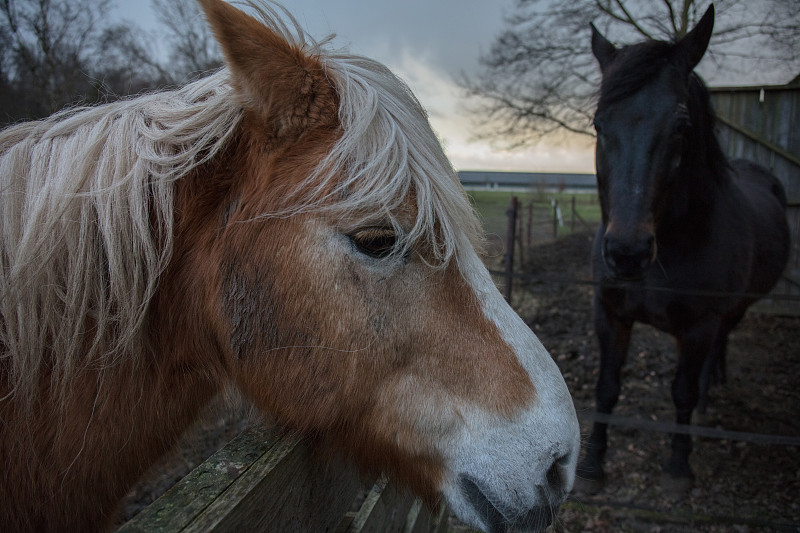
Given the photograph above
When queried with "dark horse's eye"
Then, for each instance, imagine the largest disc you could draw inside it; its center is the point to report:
(682, 125)
(375, 242)
(682, 120)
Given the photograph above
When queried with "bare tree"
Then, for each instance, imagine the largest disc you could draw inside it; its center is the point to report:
(539, 77)
(48, 46)
(784, 30)
(193, 49)
(129, 64)
(7, 93)
(55, 53)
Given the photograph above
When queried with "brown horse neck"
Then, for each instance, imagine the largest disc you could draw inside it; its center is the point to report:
(121, 420)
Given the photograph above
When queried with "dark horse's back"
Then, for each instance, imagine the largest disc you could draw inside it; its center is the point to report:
(766, 200)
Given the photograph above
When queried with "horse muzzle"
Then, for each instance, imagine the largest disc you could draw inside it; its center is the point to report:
(629, 259)
(516, 485)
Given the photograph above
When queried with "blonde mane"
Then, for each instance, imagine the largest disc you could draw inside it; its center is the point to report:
(86, 202)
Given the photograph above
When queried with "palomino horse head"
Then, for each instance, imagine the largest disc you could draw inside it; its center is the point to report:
(364, 314)
(645, 138)
(289, 225)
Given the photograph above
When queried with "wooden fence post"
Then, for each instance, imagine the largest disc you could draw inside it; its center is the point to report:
(510, 240)
(572, 225)
(555, 218)
(530, 224)
(520, 235)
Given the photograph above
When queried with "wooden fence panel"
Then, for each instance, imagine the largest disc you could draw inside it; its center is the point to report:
(261, 482)
(249, 485)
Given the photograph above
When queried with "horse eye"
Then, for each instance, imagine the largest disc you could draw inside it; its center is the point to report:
(682, 125)
(682, 120)
(374, 242)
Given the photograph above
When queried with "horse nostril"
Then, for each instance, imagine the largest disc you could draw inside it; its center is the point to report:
(554, 476)
(494, 519)
(629, 258)
(648, 252)
(500, 518)
(557, 475)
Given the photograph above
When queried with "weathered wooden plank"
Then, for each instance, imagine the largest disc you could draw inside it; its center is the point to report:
(286, 489)
(389, 509)
(442, 520)
(391, 512)
(258, 482)
(417, 520)
(356, 525)
(758, 140)
(385, 509)
(184, 501)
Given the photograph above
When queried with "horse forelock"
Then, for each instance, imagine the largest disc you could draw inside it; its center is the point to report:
(387, 156)
(633, 67)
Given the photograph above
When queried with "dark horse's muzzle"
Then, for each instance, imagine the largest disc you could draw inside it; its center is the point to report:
(629, 259)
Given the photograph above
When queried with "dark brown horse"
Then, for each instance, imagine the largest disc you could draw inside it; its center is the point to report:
(290, 227)
(679, 220)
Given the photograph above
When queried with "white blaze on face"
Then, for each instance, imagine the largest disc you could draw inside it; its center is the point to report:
(523, 466)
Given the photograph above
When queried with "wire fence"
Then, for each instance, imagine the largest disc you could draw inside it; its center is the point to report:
(520, 239)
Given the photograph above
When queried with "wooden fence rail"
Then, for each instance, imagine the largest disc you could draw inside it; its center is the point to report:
(264, 482)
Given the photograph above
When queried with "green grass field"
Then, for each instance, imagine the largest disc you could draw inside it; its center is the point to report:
(493, 205)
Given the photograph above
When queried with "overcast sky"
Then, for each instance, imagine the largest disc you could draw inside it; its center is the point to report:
(427, 43)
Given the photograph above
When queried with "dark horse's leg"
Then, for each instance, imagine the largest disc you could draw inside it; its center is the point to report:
(614, 336)
(694, 346)
(713, 371)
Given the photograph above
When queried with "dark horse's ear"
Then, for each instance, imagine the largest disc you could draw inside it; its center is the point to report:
(692, 47)
(602, 49)
(283, 85)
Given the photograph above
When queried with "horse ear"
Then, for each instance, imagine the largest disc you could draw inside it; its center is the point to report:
(694, 44)
(283, 85)
(602, 49)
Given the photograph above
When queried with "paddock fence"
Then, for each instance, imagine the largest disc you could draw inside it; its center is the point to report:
(263, 482)
(530, 223)
(784, 298)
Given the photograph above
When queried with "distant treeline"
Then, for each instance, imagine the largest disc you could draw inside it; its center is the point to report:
(59, 53)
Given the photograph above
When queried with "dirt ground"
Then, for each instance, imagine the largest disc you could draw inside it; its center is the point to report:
(740, 487)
